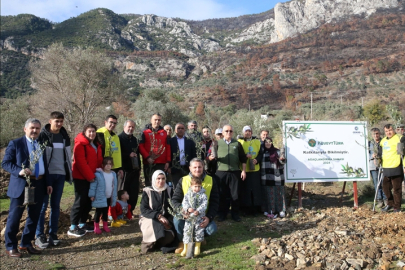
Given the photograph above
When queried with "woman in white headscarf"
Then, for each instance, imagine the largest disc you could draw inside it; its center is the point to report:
(156, 223)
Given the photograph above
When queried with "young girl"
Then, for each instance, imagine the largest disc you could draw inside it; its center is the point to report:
(102, 194)
(272, 180)
(194, 204)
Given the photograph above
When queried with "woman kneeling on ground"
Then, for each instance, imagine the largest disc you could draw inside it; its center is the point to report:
(156, 222)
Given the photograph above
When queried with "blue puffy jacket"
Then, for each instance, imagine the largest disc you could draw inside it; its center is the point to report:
(97, 190)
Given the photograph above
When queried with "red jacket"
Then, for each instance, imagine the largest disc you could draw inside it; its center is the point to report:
(85, 159)
(161, 141)
(117, 210)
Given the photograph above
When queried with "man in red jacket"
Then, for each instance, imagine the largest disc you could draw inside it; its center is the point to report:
(154, 148)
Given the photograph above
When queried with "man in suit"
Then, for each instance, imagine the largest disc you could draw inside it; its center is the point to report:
(18, 154)
(182, 151)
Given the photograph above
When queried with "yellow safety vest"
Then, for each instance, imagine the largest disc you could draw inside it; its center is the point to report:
(112, 144)
(251, 147)
(206, 184)
(390, 157)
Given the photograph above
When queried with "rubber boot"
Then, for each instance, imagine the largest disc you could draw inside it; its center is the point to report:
(184, 252)
(97, 228)
(180, 248)
(105, 226)
(115, 224)
(122, 221)
(197, 249)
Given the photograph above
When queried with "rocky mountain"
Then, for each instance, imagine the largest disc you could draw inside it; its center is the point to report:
(297, 47)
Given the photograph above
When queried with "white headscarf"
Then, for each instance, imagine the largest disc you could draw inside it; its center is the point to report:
(154, 178)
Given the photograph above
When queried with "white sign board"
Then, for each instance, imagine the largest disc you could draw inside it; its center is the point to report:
(325, 151)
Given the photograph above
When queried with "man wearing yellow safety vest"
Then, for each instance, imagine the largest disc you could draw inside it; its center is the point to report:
(393, 171)
(211, 190)
(110, 144)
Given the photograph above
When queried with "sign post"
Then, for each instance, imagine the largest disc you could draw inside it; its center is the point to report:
(326, 151)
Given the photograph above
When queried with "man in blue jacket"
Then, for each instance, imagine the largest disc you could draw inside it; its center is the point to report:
(16, 157)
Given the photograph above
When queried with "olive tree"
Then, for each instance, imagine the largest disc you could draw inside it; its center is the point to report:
(157, 101)
(79, 82)
(14, 113)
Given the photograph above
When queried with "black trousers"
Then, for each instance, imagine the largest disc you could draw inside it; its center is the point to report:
(130, 183)
(82, 204)
(393, 183)
(229, 192)
(102, 212)
(149, 169)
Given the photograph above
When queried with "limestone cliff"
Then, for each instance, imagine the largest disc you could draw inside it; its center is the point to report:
(301, 16)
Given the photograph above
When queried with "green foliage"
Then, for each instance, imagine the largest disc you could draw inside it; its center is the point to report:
(22, 24)
(374, 111)
(87, 29)
(157, 101)
(15, 74)
(395, 114)
(14, 113)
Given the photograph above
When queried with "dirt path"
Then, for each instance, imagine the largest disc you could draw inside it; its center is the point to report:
(120, 249)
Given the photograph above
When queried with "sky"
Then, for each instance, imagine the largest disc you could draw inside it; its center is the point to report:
(60, 10)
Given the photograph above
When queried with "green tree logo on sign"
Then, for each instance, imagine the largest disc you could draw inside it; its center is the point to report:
(312, 142)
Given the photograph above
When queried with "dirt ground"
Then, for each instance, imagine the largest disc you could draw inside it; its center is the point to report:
(120, 249)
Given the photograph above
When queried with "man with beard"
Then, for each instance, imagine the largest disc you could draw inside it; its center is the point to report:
(110, 143)
(129, 149)
(208, 144)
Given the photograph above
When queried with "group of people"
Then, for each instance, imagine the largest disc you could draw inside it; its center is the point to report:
(191, 177)
(387, 166)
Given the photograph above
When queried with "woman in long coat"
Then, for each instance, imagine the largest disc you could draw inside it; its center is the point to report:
(272, 179)
(156, 222)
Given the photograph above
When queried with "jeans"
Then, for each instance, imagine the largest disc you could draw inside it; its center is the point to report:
(58, 182)
(380, 194)
(179, 226)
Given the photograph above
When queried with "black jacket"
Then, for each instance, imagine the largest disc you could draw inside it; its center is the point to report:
(189, 151)
(213, 202)
(46, 136)
(128, 144)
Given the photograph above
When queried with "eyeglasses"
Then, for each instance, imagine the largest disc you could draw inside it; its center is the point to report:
(230, 131)
(112, 123)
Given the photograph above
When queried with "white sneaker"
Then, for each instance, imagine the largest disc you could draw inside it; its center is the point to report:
(282, 214)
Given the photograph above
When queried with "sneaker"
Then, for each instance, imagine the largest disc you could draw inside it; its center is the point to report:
(41, 241)
(380, 204)
(76, 232)
(282, 214)
(87, 228)
(386, 208)
(53, 240)
(397, 210)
